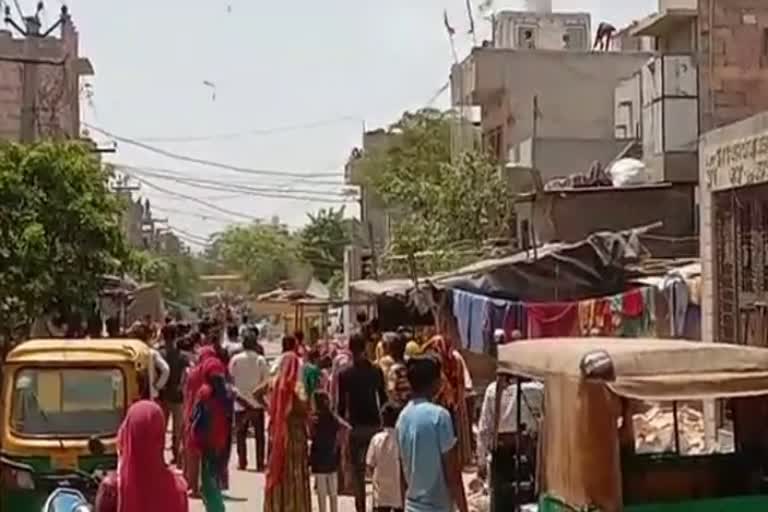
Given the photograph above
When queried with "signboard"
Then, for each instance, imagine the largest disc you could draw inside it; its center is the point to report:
(739, 163)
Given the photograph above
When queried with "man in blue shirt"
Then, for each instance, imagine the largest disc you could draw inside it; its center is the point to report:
(428, 450)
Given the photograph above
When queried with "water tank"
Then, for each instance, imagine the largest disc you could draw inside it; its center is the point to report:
(540, 6)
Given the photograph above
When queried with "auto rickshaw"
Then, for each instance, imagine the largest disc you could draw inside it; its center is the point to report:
(63, 402)
(637, 425)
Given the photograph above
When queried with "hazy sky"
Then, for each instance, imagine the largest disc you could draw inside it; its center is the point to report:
(333, 64)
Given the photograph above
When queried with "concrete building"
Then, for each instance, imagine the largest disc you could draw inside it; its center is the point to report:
(728, 43)
(574, 93)
(734, 232)
(571, 215)
(374, 214)
(542, 29)
(56, 98)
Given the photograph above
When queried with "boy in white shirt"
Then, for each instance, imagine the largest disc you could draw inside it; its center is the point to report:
(383, 461)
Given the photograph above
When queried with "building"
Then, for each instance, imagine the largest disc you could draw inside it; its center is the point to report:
(734, 231)
(727, 41)
(572, 214)
(570, 91)
(375, 216)
(52, 87)
(542, 29)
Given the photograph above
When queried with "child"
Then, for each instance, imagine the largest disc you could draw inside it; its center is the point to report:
(324, 452)
(383, 460)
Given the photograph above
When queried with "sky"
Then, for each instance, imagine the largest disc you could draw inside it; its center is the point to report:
(295, 84)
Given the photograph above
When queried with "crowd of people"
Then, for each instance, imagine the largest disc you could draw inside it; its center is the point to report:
(387, 407)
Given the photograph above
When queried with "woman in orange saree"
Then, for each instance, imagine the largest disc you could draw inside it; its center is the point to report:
(452, 393)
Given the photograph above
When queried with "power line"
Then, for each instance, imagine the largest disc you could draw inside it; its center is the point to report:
(193, 199)
(240, 188)
(183, 174)
(200, 161)
(233, 186)
(193, 236)
(198, 215)
(254, 132)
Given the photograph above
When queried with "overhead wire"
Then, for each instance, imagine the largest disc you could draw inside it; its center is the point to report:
(193, 199)
(247, 133)
(235, 186)
(210, 163)
(183, 174)
(198, 215)
(239, 188)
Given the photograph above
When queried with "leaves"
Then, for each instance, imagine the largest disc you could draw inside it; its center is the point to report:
(265, 253)
(442, 202)
(59, 230)
(323, 240)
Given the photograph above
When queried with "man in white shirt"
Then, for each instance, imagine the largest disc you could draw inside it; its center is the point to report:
(159, 371)
(249, 371)
(530, 413)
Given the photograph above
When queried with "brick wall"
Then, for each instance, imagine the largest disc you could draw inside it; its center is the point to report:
(733, 42)
(58, 100)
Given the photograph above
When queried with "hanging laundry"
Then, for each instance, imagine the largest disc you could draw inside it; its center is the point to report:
(676, 292)
(516, 320)
(633, 313)
(462, 309)
(495, 315)
(470, 312)
(553, 320)
(595, 317)
(692, 330)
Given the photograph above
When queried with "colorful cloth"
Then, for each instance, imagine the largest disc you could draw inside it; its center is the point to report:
(553, 320)
(452, 393)
(144, 482)
(311, 376)
(280, 407)
(289, 489)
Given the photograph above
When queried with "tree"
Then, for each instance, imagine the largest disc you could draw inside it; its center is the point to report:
(444, 203)
(265, 254)
(177, 274)
(323, 240)
(59, 231)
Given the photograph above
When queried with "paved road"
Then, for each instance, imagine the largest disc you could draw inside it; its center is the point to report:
(247, 494)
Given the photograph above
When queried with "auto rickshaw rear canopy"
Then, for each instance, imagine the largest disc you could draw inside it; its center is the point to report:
(74, 351)
(647, 369)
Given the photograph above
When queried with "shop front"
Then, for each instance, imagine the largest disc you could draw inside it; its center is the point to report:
(734, 232)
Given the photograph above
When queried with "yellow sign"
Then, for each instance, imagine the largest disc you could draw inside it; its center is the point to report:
(64, 461)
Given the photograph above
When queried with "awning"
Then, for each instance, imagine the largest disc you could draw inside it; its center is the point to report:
(647, 369)
(663, 22)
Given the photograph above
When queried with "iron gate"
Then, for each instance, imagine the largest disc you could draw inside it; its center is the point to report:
(741, 265)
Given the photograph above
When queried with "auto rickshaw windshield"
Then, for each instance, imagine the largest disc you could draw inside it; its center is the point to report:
(67, 401)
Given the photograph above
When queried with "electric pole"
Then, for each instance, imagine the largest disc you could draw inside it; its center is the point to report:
(30, 82)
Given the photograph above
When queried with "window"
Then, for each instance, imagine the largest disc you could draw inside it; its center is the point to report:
(575, 38)
(678, 428)
(526, 37)
(69, 402)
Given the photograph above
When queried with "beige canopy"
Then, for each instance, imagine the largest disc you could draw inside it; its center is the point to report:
(647, 369)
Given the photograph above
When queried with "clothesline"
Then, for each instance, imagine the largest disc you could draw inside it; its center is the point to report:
(628, 314)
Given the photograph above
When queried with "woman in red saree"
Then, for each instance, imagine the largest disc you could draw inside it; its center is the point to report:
(143, 482)
(287, 488)
(193, 382)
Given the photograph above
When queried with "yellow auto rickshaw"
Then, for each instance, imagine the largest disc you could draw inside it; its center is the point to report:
(636, 425)
(63, 401)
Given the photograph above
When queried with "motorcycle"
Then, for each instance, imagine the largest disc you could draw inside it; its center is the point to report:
(73, 493)
(66, 500)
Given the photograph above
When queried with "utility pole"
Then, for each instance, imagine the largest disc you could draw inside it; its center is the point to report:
(30, 76)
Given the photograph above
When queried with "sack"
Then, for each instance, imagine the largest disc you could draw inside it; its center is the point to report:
(628, 171)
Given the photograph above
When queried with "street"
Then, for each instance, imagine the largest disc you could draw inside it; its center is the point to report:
(247, 493)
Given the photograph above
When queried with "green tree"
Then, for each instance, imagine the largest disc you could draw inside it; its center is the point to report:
(177, 274)
(444, 203)
(265, 254)
(322, 242)
(59, 231)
